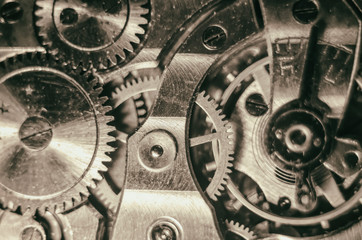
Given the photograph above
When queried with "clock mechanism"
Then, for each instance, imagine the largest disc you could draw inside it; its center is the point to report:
(180, 120)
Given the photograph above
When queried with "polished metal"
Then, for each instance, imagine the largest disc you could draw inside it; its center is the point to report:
(100, 34)
(45, 161)
(231, 119)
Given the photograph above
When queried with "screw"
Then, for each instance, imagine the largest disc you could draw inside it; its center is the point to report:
(351, 159)
(68, 16)
(255, 105)
(214, 37)
(31, 233)
(11, 12)
(156, 151)
(279, 134)
(284, 203)
(163, 232)
(305, 11)
(317, 142)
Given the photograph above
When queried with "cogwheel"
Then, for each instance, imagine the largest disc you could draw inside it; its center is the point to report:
(222, 139)
(220, 136)
(239, 229)
(105, 194)
(223, 143)
(101, 34)
(53, 136)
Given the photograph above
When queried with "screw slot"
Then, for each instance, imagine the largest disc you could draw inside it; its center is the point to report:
(305, 11)
(255, 105)
(11, 12)
(165, 228)
(31, 233)
(214, 37)
(163, 232)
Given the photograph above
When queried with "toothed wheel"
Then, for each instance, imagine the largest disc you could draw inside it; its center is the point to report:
(97, 33)
(211, 145)
(53, 136)
(239, 229)
(220, 138)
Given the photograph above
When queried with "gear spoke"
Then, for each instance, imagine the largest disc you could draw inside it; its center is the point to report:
(204, 139)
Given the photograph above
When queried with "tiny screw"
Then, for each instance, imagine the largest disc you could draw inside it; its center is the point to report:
(214, 37)
(279, 134)
(305, 11)
(31, 233)
(255, 105)
(284, 203)
(156, 151)
(68, 16)
(163, 232)
(11, 12)
(317, 142)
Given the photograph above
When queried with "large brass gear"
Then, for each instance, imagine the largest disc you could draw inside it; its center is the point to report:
(52, 149)
(101, 34)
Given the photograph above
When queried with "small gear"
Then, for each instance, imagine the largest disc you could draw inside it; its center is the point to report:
(54, 136)
(101, 34)
(240, 230)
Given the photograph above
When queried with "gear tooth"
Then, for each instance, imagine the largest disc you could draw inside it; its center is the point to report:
(98, 177)
(103, 100)
(128, 47)
(120, 59)
(11, 205)
(111, 61)
(102, 169)
(127, 52)
(203, 93)
(83, 196)
(94, 83)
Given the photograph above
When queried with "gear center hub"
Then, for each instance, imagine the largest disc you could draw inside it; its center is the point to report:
(157, 151)
(36, 133)
(296, 138)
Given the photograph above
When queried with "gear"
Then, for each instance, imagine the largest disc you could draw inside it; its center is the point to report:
(102, 33)
(52, 149)
(276, 175)
(240, 230)
(125, 122)
(222, 161)
(216, 167)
